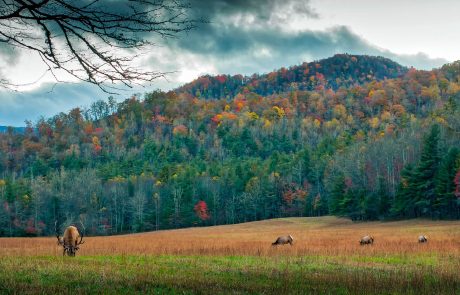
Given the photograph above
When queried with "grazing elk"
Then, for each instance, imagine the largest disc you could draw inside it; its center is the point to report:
(422, 239)
(70, 241)
(367, 240)
(283, 240)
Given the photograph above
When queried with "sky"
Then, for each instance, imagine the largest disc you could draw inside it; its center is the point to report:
(253, 36)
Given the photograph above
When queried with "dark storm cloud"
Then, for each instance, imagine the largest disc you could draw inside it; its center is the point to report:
(239, 24)
(235, 49)
(261, 9)
(235, 41)
(250, 36)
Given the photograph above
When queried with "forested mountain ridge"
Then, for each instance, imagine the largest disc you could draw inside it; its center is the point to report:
(383, 149)
(341, 70)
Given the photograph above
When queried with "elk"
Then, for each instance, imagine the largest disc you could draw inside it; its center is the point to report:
(422, 239)
(367, 240)
(70, 240)
(283, 240)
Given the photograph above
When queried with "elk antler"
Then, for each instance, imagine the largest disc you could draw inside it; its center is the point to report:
(57, 234)
(81, 234)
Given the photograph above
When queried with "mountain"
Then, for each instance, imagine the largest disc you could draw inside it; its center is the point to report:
(341, 70)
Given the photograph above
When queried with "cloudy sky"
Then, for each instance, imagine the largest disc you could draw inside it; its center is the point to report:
(248, 36)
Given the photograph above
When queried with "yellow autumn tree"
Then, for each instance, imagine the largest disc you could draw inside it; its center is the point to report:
(374, 122)
(279, 112)
(340, 111)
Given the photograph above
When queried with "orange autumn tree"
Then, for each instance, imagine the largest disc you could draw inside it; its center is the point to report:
(96, 144)
(180, 130)
(294, 199)
(218, 118)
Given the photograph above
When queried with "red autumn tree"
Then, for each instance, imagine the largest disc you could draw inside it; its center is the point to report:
(201, 210)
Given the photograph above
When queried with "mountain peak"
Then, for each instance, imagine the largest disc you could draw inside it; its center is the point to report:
(340, 70)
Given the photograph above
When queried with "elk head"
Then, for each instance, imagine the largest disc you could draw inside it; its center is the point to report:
(71, 240)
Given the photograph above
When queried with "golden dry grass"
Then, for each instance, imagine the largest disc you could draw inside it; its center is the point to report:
(328, 236)
(239, 259)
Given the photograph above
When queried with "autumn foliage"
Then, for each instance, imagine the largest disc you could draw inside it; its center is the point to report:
(201, 210)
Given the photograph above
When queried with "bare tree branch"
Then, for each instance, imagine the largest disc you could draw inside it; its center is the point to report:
(95, 41)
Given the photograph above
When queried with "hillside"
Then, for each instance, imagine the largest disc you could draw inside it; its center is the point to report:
(341, 70)
(377, 150)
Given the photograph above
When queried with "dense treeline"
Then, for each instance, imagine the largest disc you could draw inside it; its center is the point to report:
(383, 149)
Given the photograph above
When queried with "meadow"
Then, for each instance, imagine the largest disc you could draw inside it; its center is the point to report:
(326, 258)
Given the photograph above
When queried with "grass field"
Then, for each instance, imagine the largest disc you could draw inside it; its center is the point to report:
(325, 259)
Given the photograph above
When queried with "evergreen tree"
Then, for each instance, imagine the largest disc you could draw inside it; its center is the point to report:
(404, 205)
(354, 204)
(370, 206)
(446, 202)
(384, 205)
(306, 163)
(424, 177)
(337, 195)
(340, 199)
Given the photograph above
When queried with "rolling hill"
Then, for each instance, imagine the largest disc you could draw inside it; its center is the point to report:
(341, 70)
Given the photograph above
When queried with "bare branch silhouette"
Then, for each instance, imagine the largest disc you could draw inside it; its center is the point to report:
(95, 41)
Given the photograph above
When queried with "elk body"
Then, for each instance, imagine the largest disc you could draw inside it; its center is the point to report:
(70, 241)
(367, 240)
(283, 240)
(422, 239)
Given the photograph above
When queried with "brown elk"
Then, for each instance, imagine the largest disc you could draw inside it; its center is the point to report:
(70, 241)
(367, 240)
(422, 239)
(283, 240)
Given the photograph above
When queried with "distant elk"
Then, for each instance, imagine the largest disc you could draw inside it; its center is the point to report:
(422, 239)
(70, 241)
(283, 240)
(367, 240)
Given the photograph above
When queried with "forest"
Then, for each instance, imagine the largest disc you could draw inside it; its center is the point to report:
(355, 136)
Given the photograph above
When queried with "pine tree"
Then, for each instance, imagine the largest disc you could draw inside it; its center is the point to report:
(424, 177)
(384, 200)
(336, 195)
(446, 202)
(306, 163)
(404, 205)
